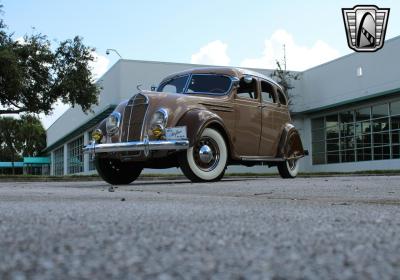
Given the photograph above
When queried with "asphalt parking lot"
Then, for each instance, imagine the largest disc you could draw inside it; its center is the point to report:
(307, 228)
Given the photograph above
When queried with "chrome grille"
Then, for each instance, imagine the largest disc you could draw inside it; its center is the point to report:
(133, 120)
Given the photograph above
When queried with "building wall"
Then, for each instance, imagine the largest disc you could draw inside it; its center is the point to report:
(74, 117)
(337, 81)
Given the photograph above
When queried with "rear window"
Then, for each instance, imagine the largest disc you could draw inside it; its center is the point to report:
(210, 84)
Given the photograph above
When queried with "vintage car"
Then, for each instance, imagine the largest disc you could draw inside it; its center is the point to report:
(200, 120)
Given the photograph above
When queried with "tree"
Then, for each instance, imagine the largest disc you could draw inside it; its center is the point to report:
(32, 136)
(285, 80)
(21, 137)
(9, 141)
(34, 75)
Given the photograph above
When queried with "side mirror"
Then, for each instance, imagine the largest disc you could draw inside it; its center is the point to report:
(248, 79)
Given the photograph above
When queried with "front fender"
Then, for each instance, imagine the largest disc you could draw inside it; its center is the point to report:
(290, 143)
(197, 120)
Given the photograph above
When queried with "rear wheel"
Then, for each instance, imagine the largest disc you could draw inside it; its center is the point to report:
(116, 172)
(206, 160)
(289, 168)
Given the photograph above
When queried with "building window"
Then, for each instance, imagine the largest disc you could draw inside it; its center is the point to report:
(367, 133)
(318, 140)
(58, 163)
(75, 156)
(91, 156)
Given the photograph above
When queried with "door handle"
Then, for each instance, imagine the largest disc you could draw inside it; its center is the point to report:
(262, 106)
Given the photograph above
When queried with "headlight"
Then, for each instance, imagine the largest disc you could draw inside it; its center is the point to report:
(158, 122)
(97, 135)
(112, 123)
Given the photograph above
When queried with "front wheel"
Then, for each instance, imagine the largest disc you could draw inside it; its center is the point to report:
(206, 160)
(116, 172)
(289, 168)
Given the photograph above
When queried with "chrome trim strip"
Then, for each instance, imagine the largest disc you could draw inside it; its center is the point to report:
(144, 121)
(133, 105)
(137, 146)
(187, 83)
(259, 158)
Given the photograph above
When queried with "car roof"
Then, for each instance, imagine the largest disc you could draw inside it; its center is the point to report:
(229, 71)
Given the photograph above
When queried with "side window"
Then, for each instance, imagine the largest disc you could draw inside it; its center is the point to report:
(267, 92)
(282, 98)
(176, 85)
(247, 89)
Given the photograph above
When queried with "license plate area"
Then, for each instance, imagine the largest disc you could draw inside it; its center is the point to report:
(175, 133)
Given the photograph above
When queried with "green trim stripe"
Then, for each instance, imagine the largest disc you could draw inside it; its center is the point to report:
(36, 160)
(93, 121)
(347, 102)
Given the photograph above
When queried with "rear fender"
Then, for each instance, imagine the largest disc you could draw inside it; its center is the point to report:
(290, 144)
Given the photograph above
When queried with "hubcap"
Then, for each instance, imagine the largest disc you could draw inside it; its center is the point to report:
(292, 164)
(206, 154)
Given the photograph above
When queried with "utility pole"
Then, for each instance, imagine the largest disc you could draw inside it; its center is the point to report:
(284, 57)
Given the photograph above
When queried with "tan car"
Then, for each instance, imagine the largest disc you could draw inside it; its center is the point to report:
(201, 120)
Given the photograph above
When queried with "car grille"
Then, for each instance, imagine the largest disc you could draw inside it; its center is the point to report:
(134, 117)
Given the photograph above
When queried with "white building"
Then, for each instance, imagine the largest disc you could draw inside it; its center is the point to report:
(347, 111)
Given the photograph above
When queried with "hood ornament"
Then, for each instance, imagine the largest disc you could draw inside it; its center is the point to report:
(139, 87)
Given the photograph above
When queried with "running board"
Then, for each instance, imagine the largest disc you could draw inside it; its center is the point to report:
(257, 158)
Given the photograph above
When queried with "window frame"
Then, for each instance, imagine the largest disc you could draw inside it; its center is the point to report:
(274, 94)
(279, 93)
(257, 90)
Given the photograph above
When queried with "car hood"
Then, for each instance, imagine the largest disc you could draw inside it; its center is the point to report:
(177, 104)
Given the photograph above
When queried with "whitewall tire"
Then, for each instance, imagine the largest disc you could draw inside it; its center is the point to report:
(206, 160)
(289, 168)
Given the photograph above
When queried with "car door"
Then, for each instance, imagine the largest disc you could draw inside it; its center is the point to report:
(271, 120)
(247, 117)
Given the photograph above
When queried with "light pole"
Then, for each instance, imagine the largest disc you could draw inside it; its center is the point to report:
(113, 50)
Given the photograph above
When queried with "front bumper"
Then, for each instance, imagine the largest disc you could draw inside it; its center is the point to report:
(144, 146)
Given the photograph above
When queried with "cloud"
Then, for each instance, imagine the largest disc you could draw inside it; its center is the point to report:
(214, 53)
(20, 40)
(298, 57)
(99, 65)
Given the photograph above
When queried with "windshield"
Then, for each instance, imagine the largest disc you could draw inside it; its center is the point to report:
(175, 85)
(217, 84)
(199, 83)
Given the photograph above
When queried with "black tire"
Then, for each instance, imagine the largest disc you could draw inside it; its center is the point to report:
(115, 172)
(289, 168)
(195, 168)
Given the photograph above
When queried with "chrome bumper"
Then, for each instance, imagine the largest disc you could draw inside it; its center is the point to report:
(144, 146)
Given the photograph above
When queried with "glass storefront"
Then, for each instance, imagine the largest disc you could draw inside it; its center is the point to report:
(366, 133)
(58, 164)
(75, 156)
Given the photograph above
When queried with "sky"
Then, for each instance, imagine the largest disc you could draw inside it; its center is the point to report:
(237, 33)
